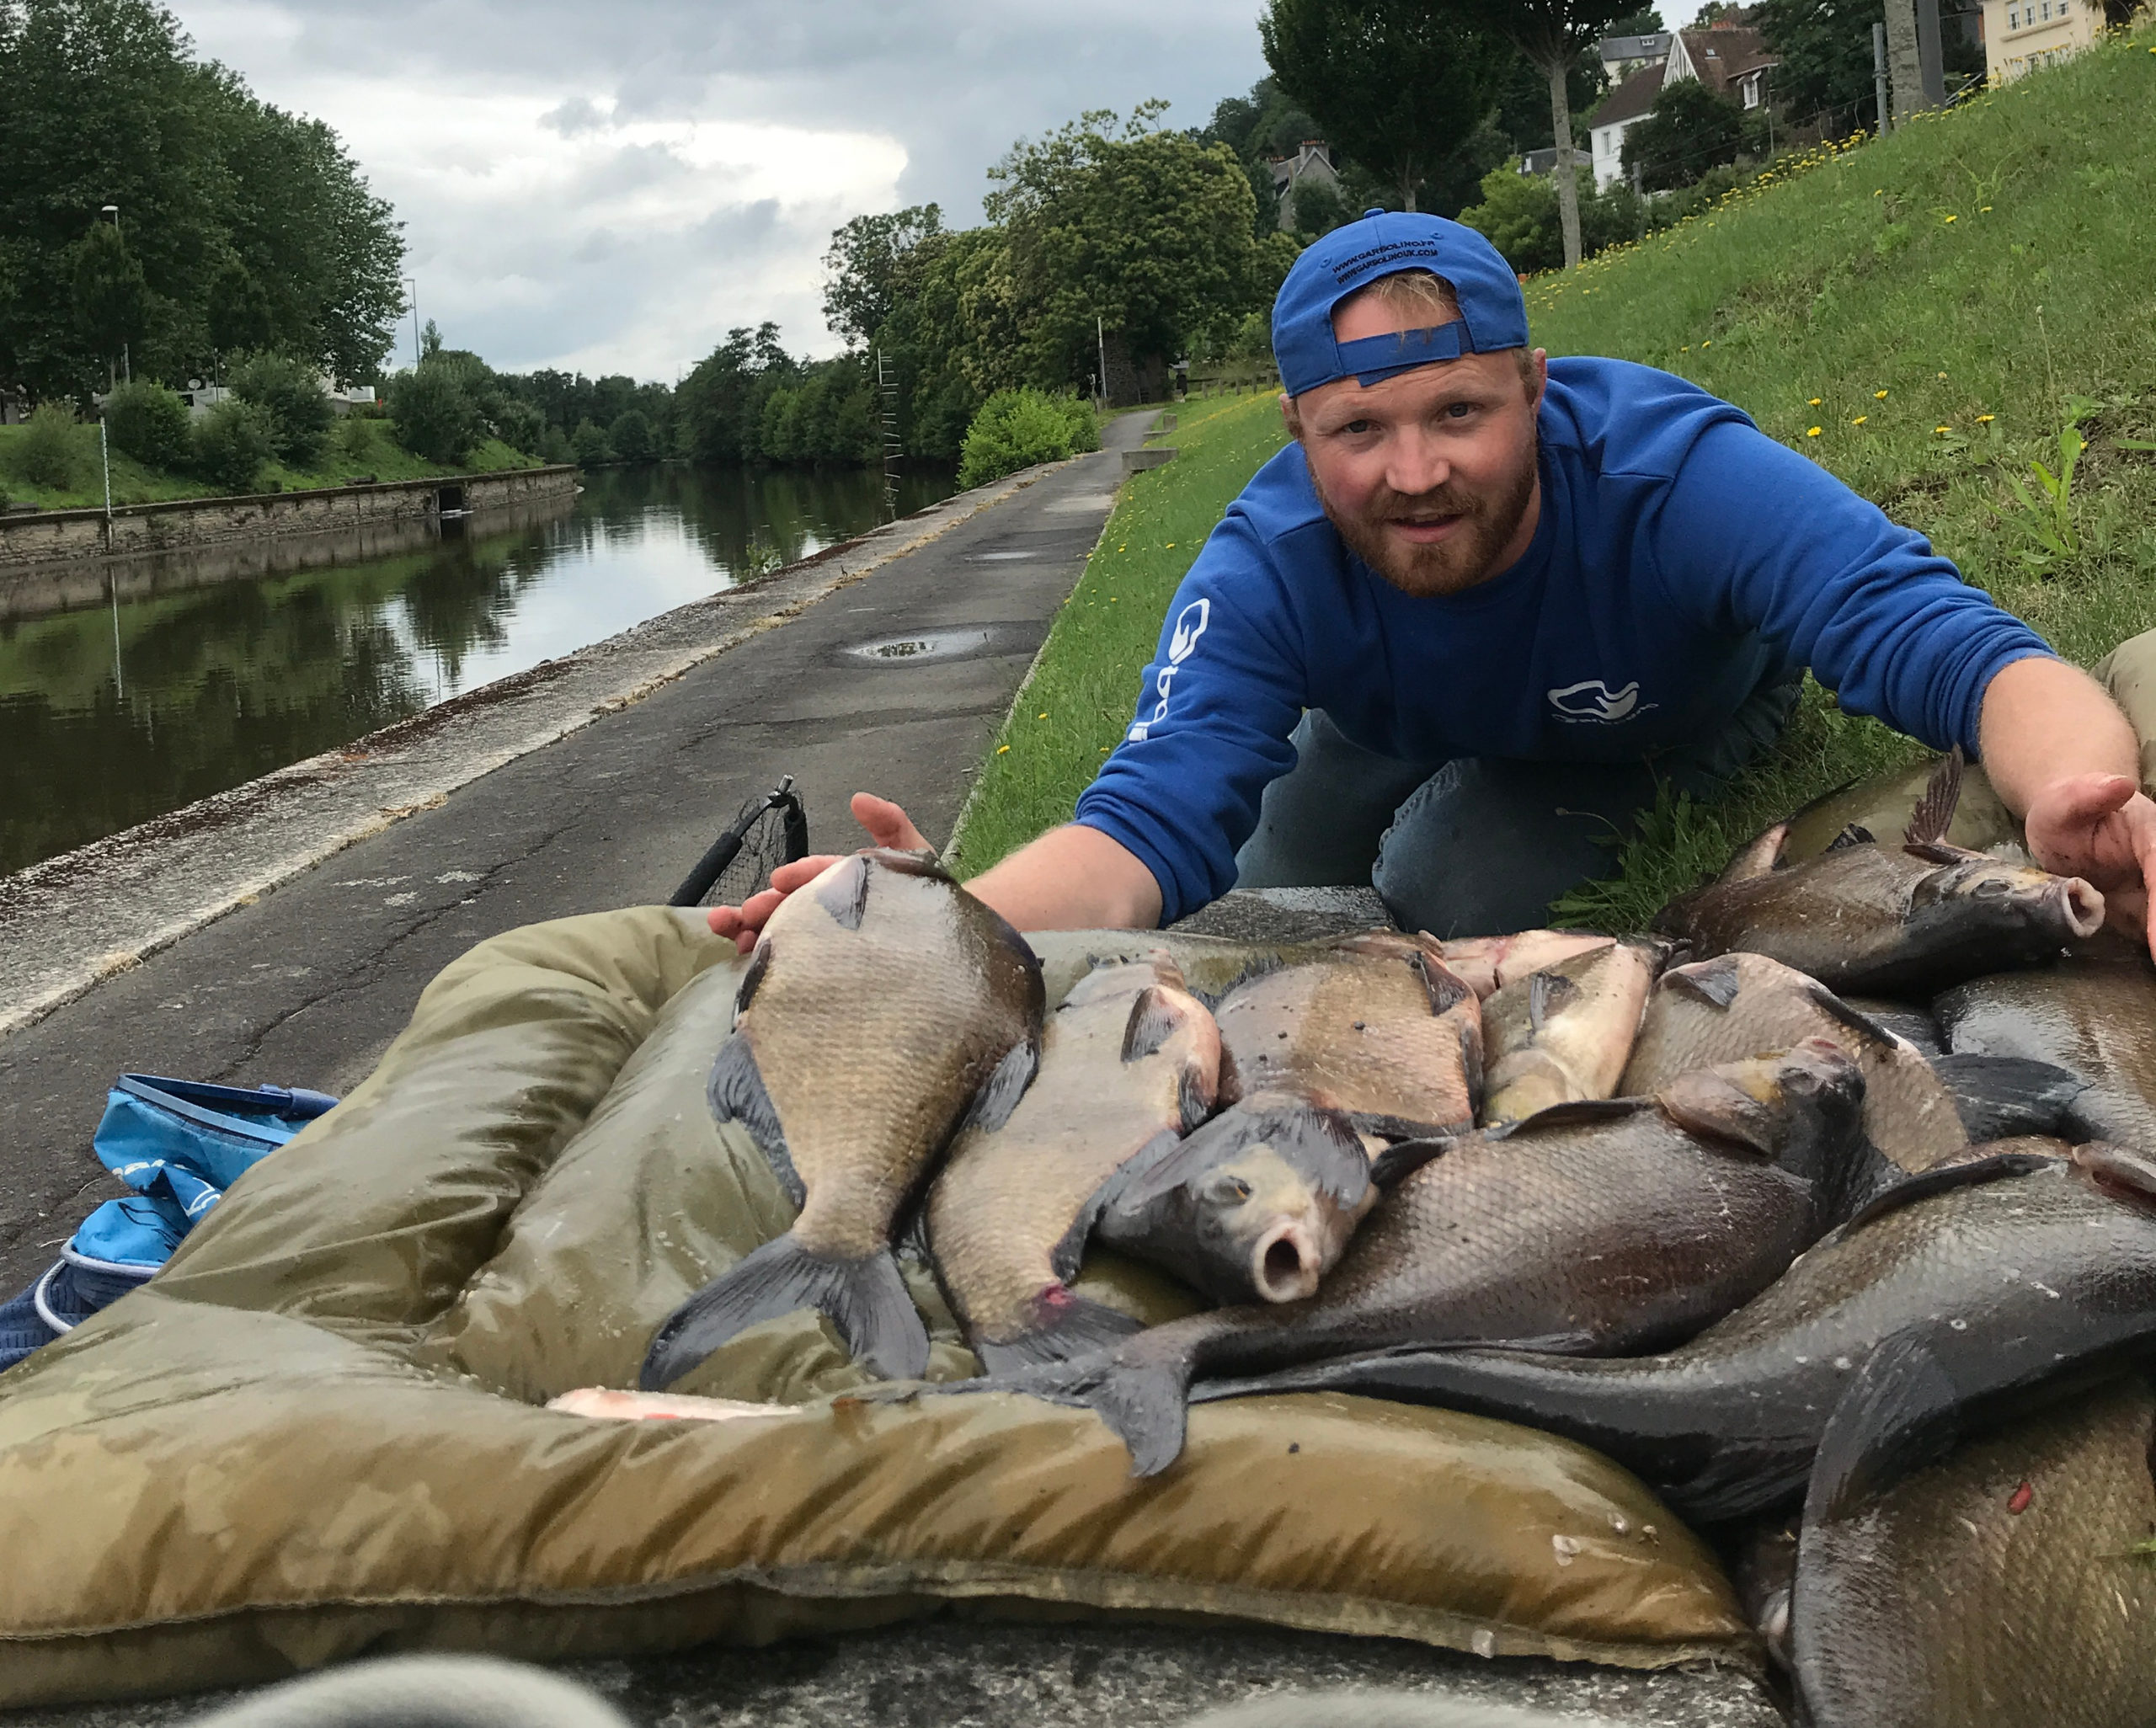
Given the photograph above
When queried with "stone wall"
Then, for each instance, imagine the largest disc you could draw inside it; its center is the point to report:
(46, 539)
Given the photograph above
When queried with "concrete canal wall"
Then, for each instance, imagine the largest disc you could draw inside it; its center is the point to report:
(48, 541)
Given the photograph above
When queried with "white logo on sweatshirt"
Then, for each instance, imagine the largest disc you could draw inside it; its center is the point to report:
(1190, 625)
(1591, 699)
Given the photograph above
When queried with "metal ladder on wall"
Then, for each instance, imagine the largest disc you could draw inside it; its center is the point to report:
(887, 388)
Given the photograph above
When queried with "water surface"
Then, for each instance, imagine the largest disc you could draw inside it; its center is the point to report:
(114, 714)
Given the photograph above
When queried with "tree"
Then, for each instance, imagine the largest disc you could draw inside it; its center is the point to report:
(1825, 47)
(631, 436)
(1142, 231)
(289, 393)
(1396, 83)
(231, 443)
(1689, 129)
(111, 298)
(590, 445)
(1552, 33)
(149, 423)
(239, 317)
(869, 267)
(1646, 22)
(1519, 216)
(432, 413)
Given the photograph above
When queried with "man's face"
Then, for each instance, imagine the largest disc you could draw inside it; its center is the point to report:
(1429, 475)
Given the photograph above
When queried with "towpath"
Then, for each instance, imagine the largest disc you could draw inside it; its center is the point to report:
(307, 985)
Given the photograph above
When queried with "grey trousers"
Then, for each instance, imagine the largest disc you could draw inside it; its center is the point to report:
(1473, 847)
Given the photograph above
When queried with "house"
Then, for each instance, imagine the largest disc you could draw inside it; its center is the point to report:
(1623, 56)
(2021, 35)
(1731, 60)
(1312, 161)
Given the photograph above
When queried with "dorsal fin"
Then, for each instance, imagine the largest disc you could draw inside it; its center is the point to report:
(1757, 856)
(1712, 981)
(1924, 1186)
(1934, 811)
(1854, 834)
(1547, 993)
(1579, 1112)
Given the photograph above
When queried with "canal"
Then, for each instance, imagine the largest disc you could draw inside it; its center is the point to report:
(114, 714)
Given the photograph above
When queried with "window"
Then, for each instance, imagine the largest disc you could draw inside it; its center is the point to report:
(2013, 18)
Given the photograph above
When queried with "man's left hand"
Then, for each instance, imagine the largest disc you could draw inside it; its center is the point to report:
(2102, 828)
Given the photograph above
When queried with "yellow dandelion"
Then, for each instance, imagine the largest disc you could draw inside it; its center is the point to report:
(1859, 419)
(1003, 749)
(1686, 349)
(1706, 344)
(1040, 716)
(1985, 419)
(1814, 402)
(1879, 396)
(1983, 209)
(1936, 429)
(1953, 218)
(1813, 433)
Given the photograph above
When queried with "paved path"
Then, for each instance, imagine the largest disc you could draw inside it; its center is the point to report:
(309, 985)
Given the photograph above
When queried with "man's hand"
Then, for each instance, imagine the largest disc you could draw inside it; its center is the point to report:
(888, 826)
(2102, 828)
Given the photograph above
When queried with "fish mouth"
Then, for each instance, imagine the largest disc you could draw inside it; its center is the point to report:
(1285, 1265)
(2080, 907)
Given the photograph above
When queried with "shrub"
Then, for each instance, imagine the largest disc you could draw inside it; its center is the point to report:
(51, 452)
(231, 442)
(1689, 129)
(289, 393)
(631, 436)
(554, 447)
(520, 426)
(588, 446)
(150, 423)
(1519, 216)
(1015, 429)
(354, 437)
(433, 414)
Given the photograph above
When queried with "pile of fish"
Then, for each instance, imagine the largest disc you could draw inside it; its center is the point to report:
(1829, 1209)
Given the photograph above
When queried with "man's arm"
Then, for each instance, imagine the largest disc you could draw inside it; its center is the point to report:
(2061, 757)
(1069, 878)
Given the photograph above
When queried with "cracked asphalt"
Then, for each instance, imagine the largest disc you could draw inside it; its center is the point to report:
(309, 985)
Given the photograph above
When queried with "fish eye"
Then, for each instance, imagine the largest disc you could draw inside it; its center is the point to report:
(1229, 1188)
(1990, 888)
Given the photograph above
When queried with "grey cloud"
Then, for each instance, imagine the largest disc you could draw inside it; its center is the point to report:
(575, 117)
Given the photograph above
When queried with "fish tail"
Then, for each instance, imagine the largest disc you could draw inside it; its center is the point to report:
(865, 1298)
(1148, 1405)
(1067, 1326)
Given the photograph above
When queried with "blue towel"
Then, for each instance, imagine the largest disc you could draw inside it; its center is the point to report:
(179, 1144)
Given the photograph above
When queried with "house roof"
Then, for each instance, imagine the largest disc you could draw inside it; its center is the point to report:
(1630, 100)
(1650, 47)
(1724, 53)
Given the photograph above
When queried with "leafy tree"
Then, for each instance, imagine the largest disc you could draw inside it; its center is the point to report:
(431, 413)
(1396, 83)
(870, 267)
(111, 297)
(1016, 429)
(1319, 208)
(1519, 216)
(1646, 22)
(1553, 34)
(50, 451)
(630, 437)
(1825, 47)
(149, 423)
(1145, 233)
(103, 102)
(518, 424)
(290, 394)
(238, 315)
(231, 443)
(589, 444)
(1689, 129)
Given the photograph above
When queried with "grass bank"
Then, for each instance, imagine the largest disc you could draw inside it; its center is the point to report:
(356, 448)
(1925, 316)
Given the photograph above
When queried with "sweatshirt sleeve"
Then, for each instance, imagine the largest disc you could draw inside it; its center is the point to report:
(1753, 537)
(1224, 689)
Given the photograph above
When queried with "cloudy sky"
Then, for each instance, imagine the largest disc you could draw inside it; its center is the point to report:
(609, 185)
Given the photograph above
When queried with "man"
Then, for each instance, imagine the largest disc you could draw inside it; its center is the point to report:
(1450, 638)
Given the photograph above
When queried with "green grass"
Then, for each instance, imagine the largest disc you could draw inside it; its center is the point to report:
(355, 448)
(1087, 681)
(1992, 270)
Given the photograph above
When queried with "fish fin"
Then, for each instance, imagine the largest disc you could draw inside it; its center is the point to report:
(1705, 1103)
(908, 860)
(843, 892)
(1471, 1060)
(1856, 833)
(759, 964)
(2119, 1173)
(1228, 1085)
(736, 1093)
(1147, 1405)
(865, 1299)
(1897, 1416)
(1578, 1112)
(1855, 1019)
(1939, 852)
(1400, 1160)
(1069, 1327)
(1998, 1097)
(1757, 856)
(1927, 1183)
(1447, 989)
(1069, 1252)
(1403, 1127)
(1934, 812)
(1548, 993)
(1155, 1014)
(1195, 1097)
(1001, 1090)
(1714, 981)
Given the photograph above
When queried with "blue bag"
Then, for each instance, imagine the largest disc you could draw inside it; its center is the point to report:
(179, 1144)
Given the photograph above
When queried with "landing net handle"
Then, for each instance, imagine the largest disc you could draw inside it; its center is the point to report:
(771, 830)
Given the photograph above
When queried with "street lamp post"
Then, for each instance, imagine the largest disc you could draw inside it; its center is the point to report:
(126, 365)
(412, 284)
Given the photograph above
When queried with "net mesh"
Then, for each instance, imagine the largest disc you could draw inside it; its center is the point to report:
(764, 848)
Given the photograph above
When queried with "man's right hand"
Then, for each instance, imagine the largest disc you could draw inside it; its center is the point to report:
(888, 826)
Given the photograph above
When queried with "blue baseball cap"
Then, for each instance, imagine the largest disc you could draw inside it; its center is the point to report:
(1492, 313)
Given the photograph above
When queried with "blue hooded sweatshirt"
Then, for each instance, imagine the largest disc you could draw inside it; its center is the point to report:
(1682, 558)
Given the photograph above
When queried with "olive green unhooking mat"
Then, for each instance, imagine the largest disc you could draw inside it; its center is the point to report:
(318, 1430)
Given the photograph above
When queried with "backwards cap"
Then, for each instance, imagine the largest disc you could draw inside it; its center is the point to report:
(1492, 313)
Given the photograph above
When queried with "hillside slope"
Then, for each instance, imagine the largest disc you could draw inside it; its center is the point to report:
(1940, 305)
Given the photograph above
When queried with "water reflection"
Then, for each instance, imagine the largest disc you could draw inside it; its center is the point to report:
(118, 711)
